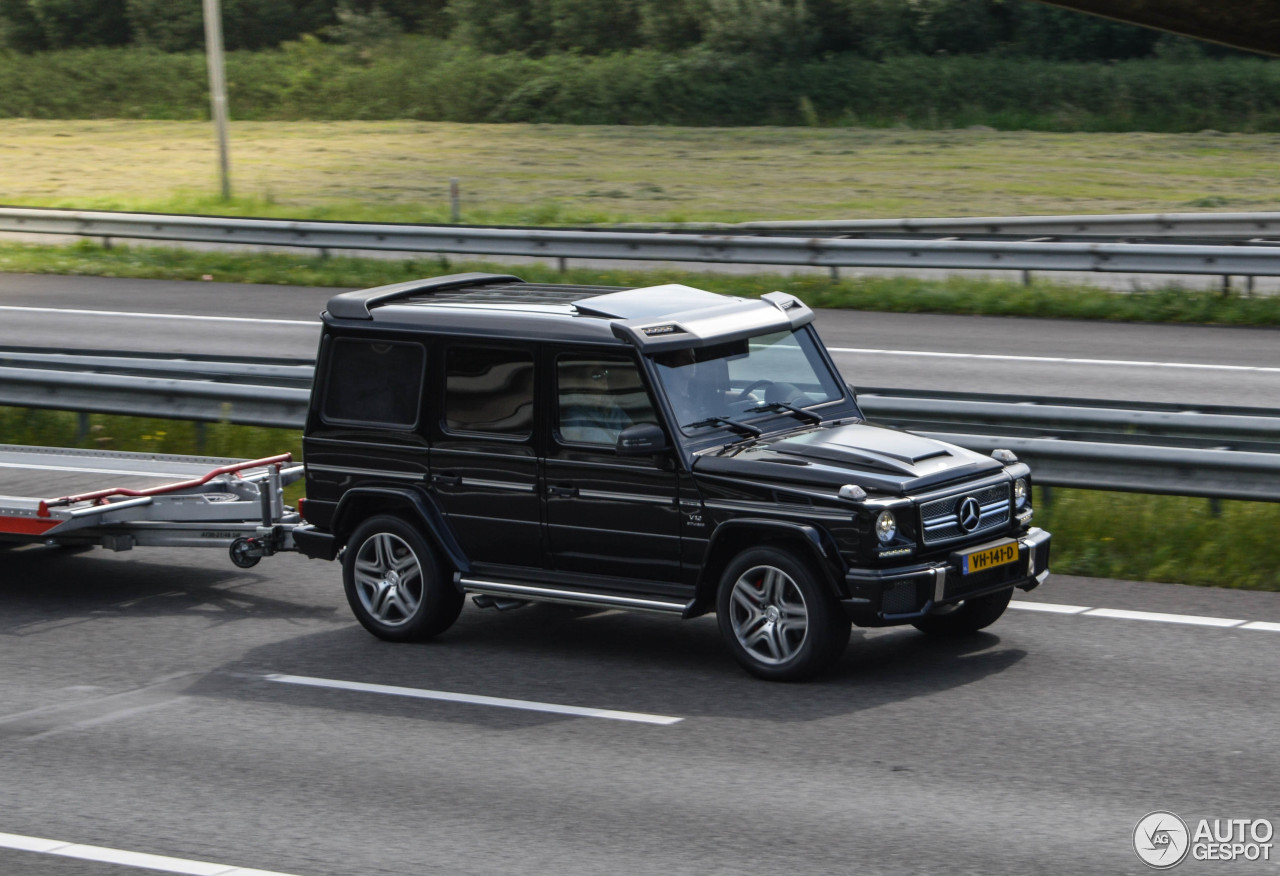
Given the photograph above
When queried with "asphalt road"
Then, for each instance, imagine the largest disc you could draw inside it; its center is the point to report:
(138, 710)
(136, 714)
(1184, 364)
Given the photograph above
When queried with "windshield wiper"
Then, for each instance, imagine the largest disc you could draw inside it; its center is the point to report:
(732, 425)
(807, 416)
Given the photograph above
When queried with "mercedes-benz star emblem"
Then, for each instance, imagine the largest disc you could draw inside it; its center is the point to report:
(968, 514)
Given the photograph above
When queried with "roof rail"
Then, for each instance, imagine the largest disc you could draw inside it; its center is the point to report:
(359, 304)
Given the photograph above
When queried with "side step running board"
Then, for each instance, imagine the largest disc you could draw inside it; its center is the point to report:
(538, 593)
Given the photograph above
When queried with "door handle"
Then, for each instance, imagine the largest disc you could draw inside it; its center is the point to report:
(446, 480)
(562, 491)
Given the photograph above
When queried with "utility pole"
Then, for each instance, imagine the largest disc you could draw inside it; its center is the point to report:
(218, 88)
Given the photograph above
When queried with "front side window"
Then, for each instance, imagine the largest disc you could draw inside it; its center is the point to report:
(489, 390)
(598, 397)
(374, 382)
(746, 380)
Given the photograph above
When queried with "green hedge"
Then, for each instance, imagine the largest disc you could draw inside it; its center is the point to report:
(430, 80)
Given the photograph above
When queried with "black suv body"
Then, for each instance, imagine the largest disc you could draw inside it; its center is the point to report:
(661, 449)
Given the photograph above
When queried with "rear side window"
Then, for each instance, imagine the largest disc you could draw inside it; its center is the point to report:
(489, 390)
(374, 382)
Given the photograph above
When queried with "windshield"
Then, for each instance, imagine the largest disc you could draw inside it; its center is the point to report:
(739, 381)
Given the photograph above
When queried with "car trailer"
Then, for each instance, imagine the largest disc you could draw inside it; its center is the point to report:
(153, 500)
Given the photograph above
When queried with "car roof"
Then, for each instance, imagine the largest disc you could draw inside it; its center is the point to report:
(653, 318)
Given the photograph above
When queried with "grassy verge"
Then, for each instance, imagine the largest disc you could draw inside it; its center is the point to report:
(135, 434)
(1108, 535)
(525, 174)
(894, 294)
(1163, 538)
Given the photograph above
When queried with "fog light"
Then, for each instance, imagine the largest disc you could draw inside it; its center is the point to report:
(886, 526)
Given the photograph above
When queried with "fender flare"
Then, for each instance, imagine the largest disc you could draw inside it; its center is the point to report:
(420, 504)
(818, 544)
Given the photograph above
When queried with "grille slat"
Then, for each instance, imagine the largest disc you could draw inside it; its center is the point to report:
(938, 516)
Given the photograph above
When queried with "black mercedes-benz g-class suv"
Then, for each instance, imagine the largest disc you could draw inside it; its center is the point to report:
(659, 449)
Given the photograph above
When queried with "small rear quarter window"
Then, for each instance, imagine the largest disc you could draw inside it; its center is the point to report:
(374, 382)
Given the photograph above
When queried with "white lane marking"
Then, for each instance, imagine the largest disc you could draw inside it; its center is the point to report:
(1049, 607)
(87, 470)
(473, 699)
(1060, 360)
(140, 860)
(1159, 617)
(127, 314)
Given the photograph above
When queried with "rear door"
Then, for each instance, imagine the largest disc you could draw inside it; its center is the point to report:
(484, 465)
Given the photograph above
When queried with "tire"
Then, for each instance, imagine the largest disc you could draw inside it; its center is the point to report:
(777, 617)
(967, 617)
(395, 584)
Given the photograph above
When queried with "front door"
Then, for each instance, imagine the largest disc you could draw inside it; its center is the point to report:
(608, 516)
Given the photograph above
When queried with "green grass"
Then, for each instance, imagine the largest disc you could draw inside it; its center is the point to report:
(527, 174)
(894, 294)
(110, 432)
(1106, 535)
(1163, 538)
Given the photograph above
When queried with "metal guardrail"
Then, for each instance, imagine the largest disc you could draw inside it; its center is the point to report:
(727, 248)
(1226, 226)
(1217, 452)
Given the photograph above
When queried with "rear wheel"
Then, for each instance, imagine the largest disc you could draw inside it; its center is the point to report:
(394, 582)
(777, 618)
(967, 617)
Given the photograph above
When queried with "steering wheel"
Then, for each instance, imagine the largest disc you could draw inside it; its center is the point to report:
(749, 388)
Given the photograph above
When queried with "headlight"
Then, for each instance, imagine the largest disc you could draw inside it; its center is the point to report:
(1021, 493)
(886, 526)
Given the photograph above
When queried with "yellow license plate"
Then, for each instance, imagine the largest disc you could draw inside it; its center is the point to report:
(988, 558)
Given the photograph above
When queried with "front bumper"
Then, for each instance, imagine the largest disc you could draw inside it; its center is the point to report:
(883, 597)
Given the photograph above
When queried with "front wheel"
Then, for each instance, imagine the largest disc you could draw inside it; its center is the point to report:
(777, 618)
(394, 582)
(967, 617)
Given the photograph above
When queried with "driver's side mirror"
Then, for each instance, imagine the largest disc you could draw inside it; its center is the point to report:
(642, 439)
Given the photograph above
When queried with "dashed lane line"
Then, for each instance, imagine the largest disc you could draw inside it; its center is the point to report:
(1058, 360)
(138, 860)
(472, 699)
(14, 308)
(1154, 616)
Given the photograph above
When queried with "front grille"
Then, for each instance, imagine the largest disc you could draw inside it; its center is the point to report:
(940, 524)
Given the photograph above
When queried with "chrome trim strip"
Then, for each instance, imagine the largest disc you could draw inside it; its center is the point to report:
(769, 507)
(571, 597)
(372, 472)
(627, 497)
(509, 486)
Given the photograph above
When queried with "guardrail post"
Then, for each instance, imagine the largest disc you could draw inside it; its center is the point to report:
(835, 273)
(1215, 508)
(1226, 285)
(1248, 285)
(1046, 496)
(82, 426)
(455, 202)
(562, 264)
(1026, 278)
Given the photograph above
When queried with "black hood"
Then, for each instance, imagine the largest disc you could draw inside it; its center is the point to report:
(873, 457)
